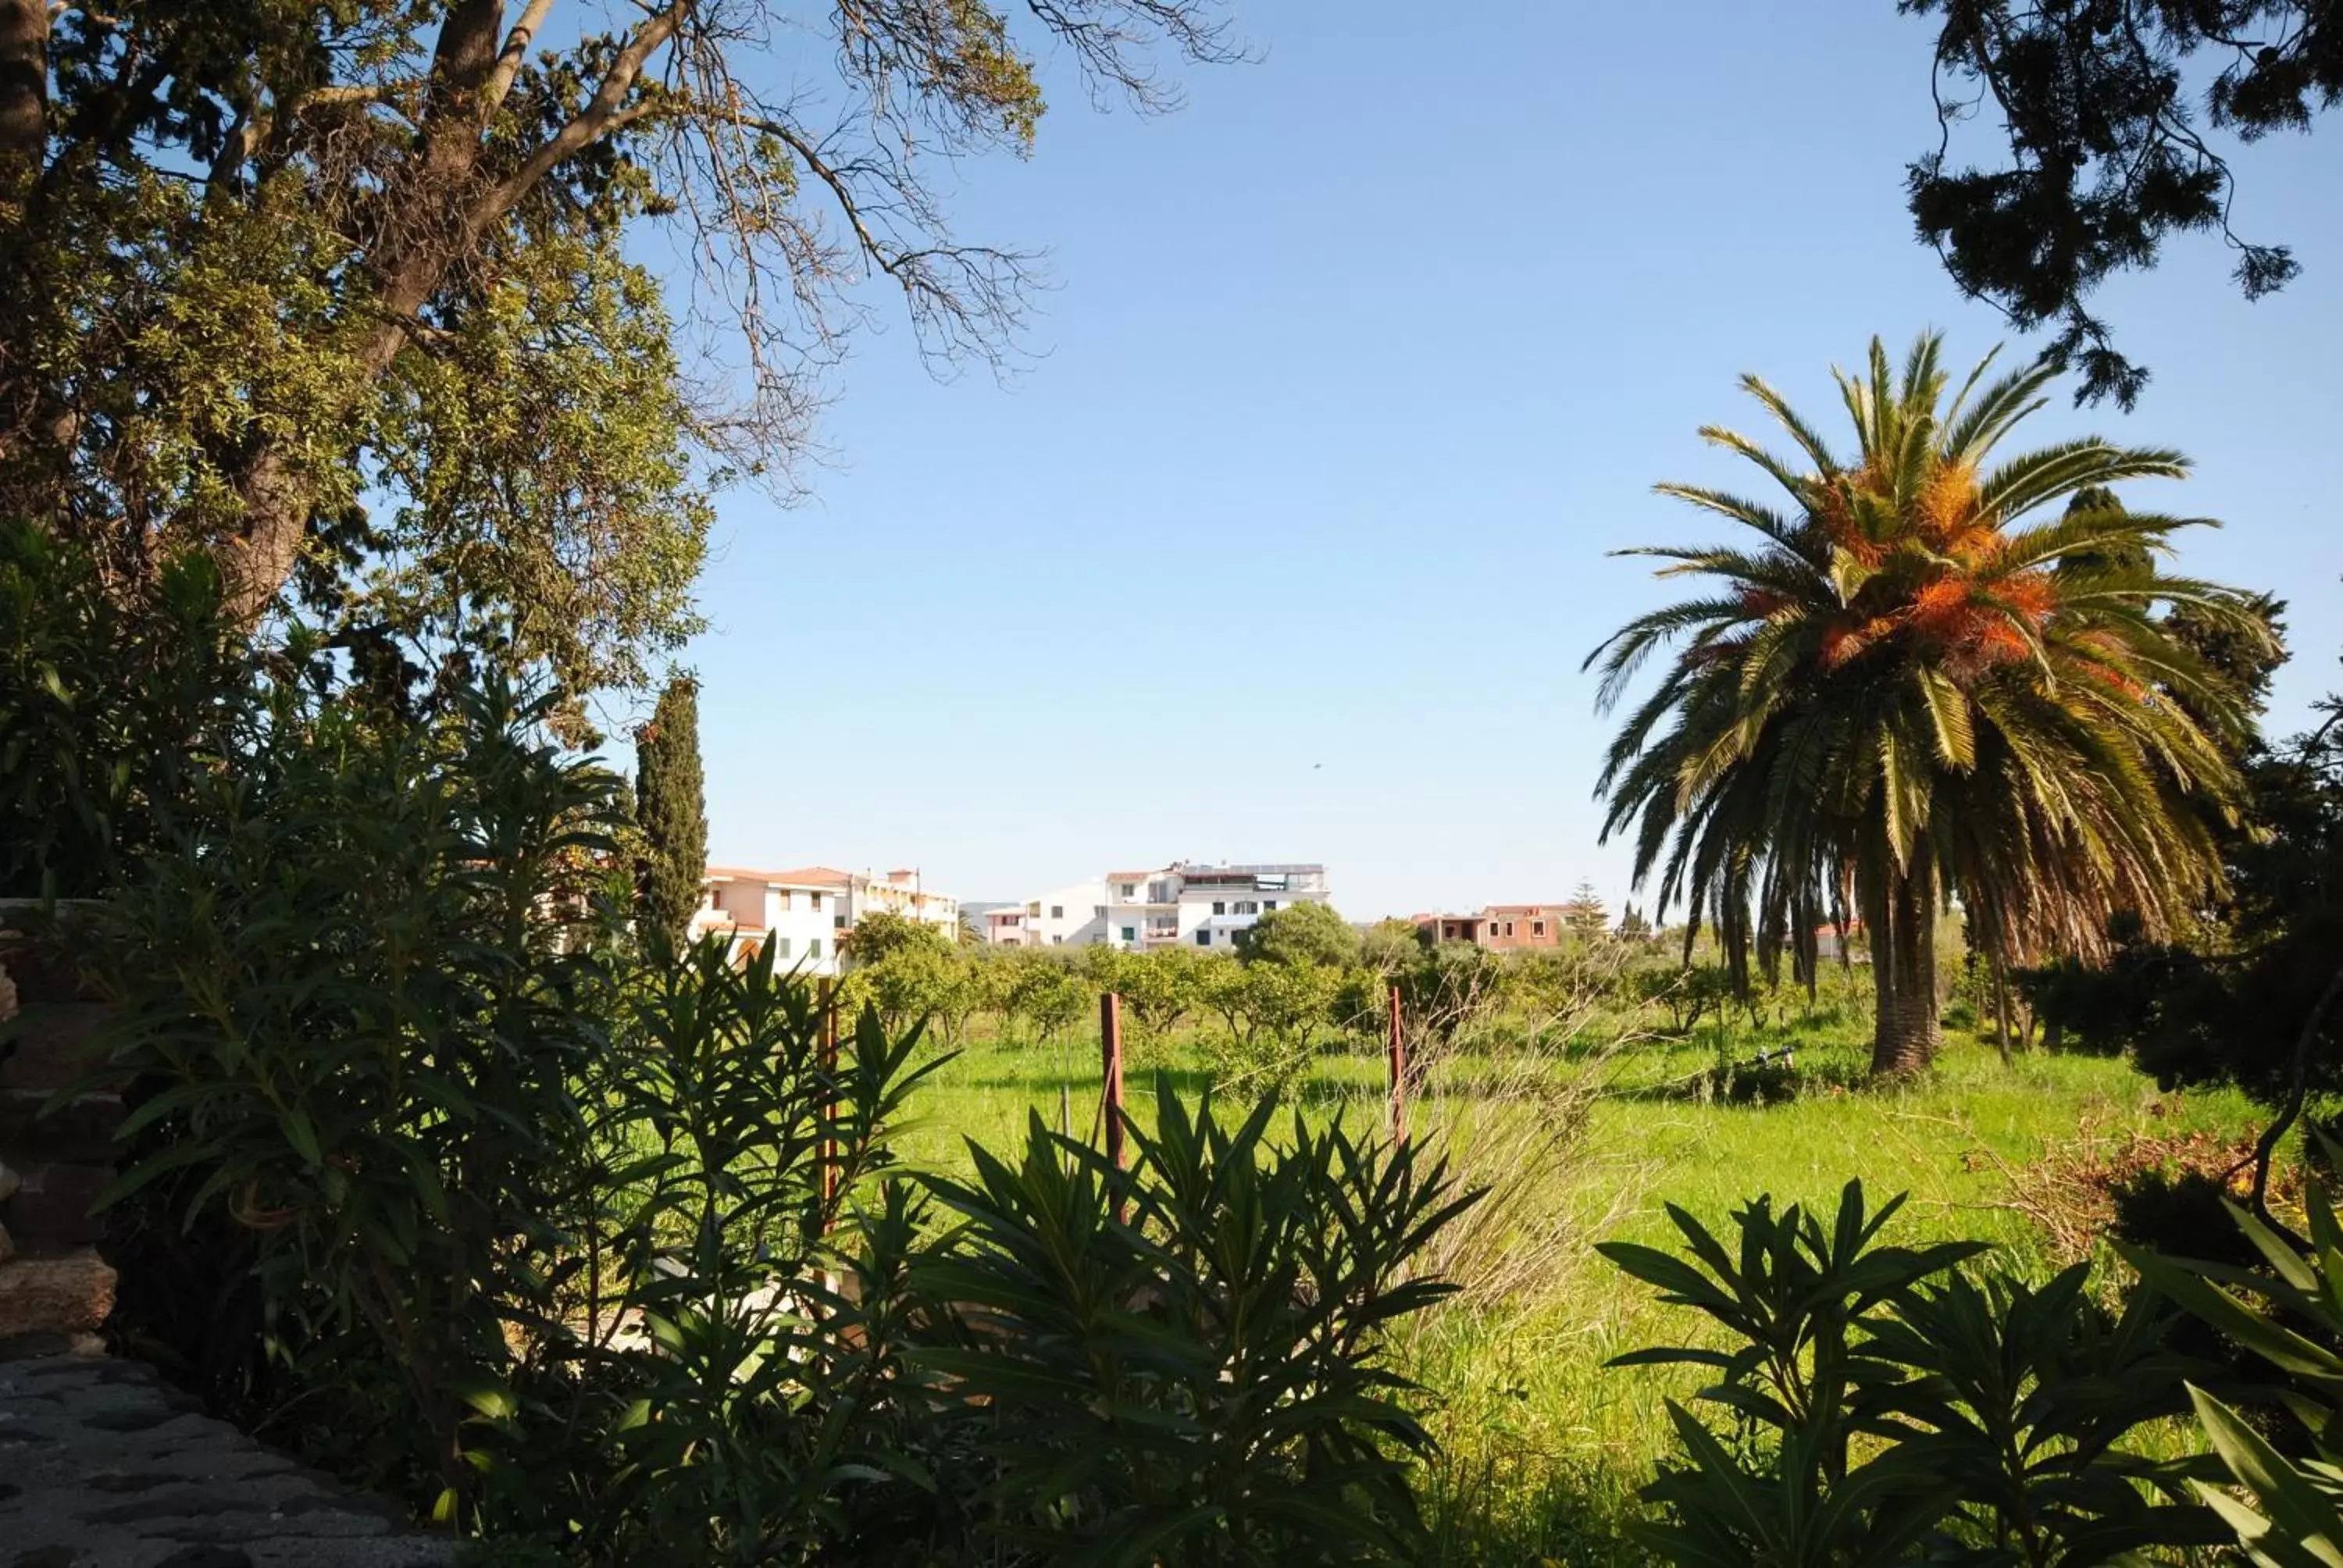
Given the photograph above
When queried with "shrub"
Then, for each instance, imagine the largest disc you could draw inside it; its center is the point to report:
(103, 706)
(358, 997)
(1181, 1364)
(1886, 1404)
(2289, 1317)
(425, 1178)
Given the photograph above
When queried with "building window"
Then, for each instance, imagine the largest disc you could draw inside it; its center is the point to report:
(1268, 904)
(1220, 907)
(1034, 911)
(813, 900)
(1126, 890)
(1248, 907)
(1203, 938)
(813, 947)
(838, 922)
(785, 898)
(1509, 927)
(1057, 941)
(1057, 911)
(1130, 933)
(1098, 911)
(1537, 928)
(781, 947)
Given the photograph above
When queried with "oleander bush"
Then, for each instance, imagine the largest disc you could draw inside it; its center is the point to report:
(104, 700)
(1882, 1403)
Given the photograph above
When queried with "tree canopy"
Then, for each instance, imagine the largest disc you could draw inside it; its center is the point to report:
(2107, 154)
(347, 293)
(1305, 933)
(1910, 686)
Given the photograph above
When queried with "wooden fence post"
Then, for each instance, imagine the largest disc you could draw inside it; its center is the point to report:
(827, 992)
(1111, 1052)
(1398, 1074)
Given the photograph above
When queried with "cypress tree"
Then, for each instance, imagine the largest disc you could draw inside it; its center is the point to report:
(672, 808)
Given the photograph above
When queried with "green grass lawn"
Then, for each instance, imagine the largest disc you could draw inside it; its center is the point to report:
(1543, 1448)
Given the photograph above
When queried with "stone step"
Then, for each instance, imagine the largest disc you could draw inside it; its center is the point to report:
(56, 1295)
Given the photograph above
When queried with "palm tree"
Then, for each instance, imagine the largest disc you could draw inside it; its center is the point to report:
(1919, 684)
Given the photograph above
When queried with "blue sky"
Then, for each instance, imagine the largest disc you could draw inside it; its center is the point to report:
(1288, 541)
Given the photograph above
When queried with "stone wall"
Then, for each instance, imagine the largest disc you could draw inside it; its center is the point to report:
(55, 1291)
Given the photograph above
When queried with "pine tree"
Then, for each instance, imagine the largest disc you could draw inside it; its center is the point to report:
(1584, 913)
(672, 808)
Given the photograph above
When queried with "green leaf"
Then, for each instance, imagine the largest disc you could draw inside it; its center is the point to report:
(2303, 1525)
(302, 1134)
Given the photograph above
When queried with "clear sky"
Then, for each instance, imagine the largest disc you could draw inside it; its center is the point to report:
(1289, 541)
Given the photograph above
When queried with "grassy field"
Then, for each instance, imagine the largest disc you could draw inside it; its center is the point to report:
(1543, 1448)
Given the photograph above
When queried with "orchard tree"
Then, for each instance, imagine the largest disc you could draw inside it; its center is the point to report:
(1046, 993)
(882, 933)
(345, 291)
(1305, 933)
(912, 983)
(2113, 113)
(672, 810)
(1276, 1013)
(1390, 947)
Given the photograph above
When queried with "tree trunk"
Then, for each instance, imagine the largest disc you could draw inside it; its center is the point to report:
(441, 209)
(23, 93)
(2001, 1006)
(1905, 1035)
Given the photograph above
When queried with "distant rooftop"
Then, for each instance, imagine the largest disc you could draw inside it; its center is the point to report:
(1248, 868)
(798, 877)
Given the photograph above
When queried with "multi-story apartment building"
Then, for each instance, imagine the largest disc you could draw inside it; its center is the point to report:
(902, 893)
(1072, 916)
(799, 913)
(1197, 905)
(805, 913)
(1502, 928)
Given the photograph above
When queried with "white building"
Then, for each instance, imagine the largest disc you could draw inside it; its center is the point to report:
(805, 913)
(1187, 903)
(902, 893)
(1073, 915)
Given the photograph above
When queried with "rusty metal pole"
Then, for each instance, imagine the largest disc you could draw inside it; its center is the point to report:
(828, 992)
(1111, 1053)
(1398, 1074)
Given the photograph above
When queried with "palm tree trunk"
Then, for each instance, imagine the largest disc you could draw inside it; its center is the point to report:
(1906, 1034)
(2001, 1006)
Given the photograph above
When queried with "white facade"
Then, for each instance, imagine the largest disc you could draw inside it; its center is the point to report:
(1184, 903)
(902, 893)
(1067, 917)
